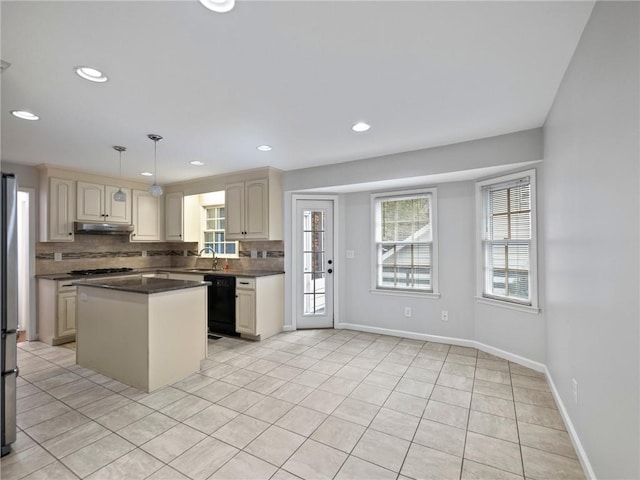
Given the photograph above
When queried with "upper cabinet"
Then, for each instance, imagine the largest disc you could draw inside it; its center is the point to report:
(252, 211)
(173, 220)
(57, 209)
(147, 217)
(95, 203)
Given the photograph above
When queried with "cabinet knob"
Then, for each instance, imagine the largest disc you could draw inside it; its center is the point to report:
(70, 233)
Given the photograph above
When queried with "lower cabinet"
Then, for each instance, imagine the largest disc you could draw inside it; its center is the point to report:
(56, 312)
(245, 306)
(259, 306)
(67, 313)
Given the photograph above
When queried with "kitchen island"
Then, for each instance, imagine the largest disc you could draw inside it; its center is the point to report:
(144, 332)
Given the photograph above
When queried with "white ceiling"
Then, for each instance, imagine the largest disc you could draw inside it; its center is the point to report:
(295, 75)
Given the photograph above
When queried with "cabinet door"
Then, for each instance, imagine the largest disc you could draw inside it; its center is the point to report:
(66, 313)
(173, 217)
(256, 210)
(117, 212)
(146, 217)
(61, 210)
(90, 206)
(246, 311)
(234, 204)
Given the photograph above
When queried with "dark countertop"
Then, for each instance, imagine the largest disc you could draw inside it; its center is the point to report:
(228, 273)
(70, 276)
(233, 273)
(141, 285)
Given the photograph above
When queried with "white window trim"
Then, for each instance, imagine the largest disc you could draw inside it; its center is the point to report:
(203, 224)
(434, 242)
(533, 261)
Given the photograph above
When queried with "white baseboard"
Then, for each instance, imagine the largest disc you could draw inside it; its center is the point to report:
(577, 444)
(512, 357)
(288, 328)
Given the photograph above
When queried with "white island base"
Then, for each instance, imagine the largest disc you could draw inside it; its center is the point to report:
(143, 340)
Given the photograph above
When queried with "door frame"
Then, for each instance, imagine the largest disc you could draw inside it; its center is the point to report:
(335, 199)
(32, 333)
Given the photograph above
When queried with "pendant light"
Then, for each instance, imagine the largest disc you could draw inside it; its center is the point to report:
(155, 190)
(120, 196)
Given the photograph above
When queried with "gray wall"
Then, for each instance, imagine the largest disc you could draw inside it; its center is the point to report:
(591, 198)
(518, 333)
(456, 270)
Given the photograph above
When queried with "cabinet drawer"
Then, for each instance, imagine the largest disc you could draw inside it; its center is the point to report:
(66, 287)
(245, 283)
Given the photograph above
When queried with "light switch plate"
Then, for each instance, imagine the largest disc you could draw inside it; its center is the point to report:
(57, 257)
(254, 254)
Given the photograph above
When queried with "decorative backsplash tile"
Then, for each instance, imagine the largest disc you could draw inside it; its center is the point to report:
(97, 251)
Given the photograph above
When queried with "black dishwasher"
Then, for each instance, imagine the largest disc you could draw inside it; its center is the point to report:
(221, 315)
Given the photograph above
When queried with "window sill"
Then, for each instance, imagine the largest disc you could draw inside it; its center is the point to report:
(508, 305)
(404, 293)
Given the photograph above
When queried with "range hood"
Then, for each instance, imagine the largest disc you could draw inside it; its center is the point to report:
(102, 228)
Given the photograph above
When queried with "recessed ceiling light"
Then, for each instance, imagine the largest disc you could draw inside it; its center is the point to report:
(24, 115)
(197, 163)
(265, 148)
(146, 174)
(219, 6)
(361, 127)
(91, 74)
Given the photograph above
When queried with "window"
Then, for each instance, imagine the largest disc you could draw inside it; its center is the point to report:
(213, 233)
(405, 250)
(507, 256)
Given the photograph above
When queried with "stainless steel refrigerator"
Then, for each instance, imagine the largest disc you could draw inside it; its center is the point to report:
(8, 308)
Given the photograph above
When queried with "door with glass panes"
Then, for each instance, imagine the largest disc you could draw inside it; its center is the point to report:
(315, 265)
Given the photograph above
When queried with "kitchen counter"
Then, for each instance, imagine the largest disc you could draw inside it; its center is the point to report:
(139, 284)
(233, 273)
(144, 332)
(230, 273)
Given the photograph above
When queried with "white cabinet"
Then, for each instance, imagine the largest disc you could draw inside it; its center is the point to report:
(251, 212)
(245, 306)
(174, 226)
(56, 311)
(67, 313)
(95, 203)
(57, 209)
(146, 217)
(259, 306)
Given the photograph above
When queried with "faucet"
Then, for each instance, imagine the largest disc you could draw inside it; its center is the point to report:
(214, 263)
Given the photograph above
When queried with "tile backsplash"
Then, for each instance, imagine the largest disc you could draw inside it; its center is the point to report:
(113, 251)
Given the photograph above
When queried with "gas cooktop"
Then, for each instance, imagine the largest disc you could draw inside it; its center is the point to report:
(100, 271)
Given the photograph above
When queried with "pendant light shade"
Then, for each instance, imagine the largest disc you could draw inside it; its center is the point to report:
(155, 190)
(120, 196)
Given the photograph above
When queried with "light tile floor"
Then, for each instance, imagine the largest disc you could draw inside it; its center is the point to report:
(313, 404)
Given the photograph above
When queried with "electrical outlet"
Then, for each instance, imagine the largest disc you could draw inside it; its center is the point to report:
(264, 254)
(185, 253)
(575, 391)
(351, 254)
(407, 311)
(57, 257)
(144, 253)
(254, 253)
(444, 315)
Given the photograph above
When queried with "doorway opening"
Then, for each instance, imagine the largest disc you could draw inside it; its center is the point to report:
(26, 266)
